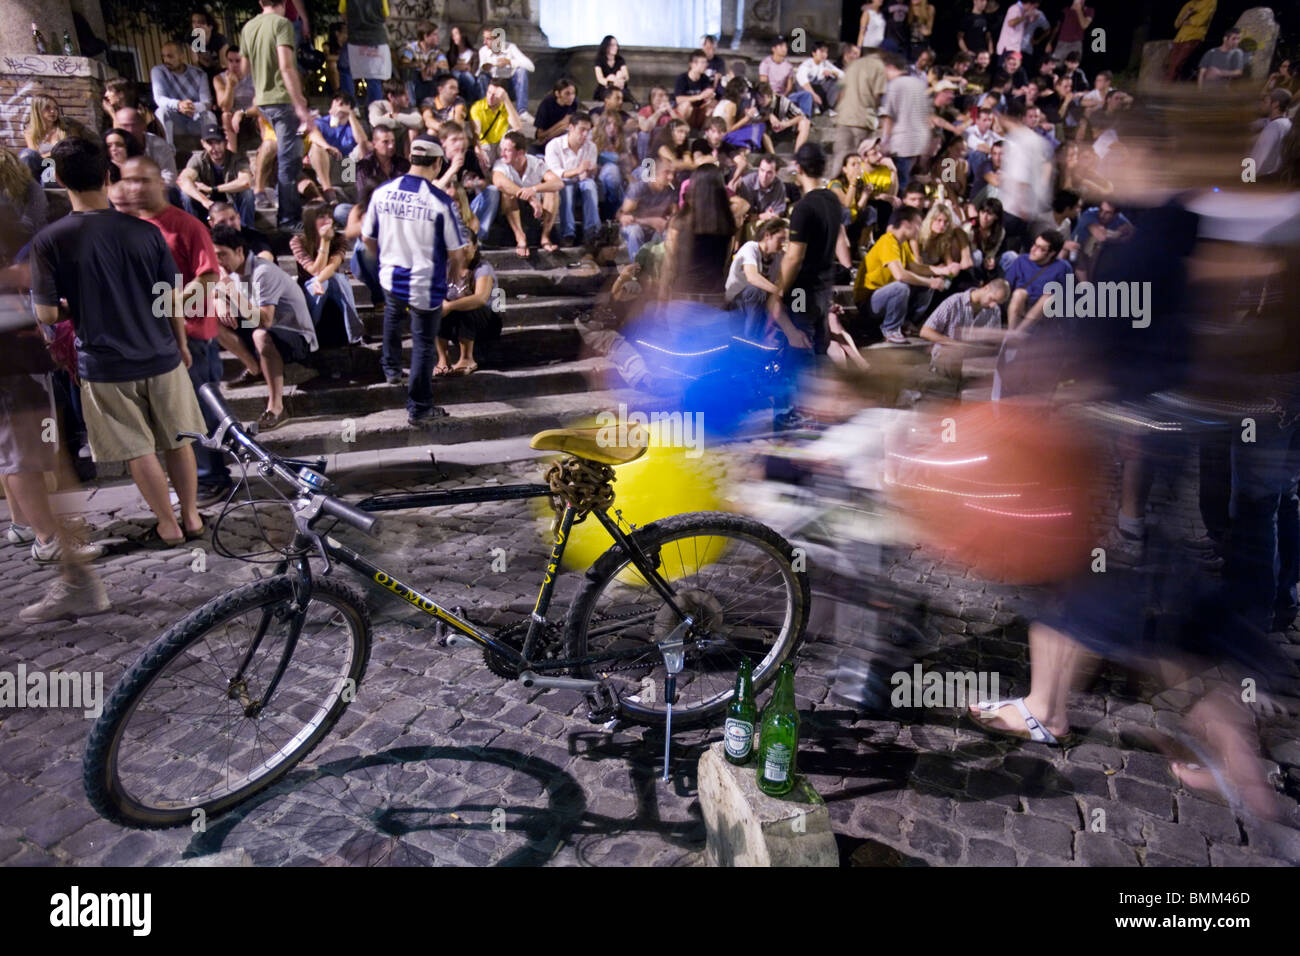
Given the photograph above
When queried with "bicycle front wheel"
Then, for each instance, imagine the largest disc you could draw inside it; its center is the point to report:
(189, 731)
(734, 576)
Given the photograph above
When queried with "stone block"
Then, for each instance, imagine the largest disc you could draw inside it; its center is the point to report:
(746, 827)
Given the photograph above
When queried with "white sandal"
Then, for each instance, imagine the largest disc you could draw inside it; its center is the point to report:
(1036, 731)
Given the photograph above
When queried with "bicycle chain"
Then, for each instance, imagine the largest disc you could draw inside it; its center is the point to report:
(587, 486)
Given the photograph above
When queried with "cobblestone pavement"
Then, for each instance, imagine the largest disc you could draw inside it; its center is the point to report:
(439, 761)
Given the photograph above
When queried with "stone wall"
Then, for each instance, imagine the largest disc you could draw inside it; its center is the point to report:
(75, 83)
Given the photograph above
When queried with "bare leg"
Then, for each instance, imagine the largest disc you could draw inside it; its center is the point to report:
(441, 345)
(29, 503)
(148, 475)
(272, 370)
(183, 471)
(466, 352)
(233, 344)
(320, 162)
(510, 206)
(550, 209)
(804, 127)
(1056, 664)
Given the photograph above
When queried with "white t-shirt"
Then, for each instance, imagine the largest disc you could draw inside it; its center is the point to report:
(748, 254)
(810, 72)
(534, 171)
(874, 34)
(417, 225)
(560, 157)
(1026, 177)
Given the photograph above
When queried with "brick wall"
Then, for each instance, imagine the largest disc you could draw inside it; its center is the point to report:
(75, 83)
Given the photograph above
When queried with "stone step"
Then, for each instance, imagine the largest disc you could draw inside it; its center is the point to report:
(523, 312)
(309, 394)
(518, 347)
(467, 422)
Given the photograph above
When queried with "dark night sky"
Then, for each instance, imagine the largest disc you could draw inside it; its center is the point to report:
(1125, 23)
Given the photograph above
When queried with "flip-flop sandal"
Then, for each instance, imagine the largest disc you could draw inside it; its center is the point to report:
(440, 370)
(522, 251)
(153, 541)
(1034, 731)
(201, 533)
(465, 370)
(550, 247)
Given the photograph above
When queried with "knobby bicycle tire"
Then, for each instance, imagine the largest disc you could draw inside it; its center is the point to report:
(614, 562)
(100, 771)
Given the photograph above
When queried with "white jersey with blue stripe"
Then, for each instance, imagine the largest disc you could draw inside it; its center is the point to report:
(416, 225)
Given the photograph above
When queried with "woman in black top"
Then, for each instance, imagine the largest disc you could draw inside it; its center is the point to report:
(611, 71)
(700, 237)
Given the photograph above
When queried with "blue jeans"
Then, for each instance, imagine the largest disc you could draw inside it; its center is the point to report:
(802, 99)
(636, 236)
(205, 369)
(341, 212)
(288, 155)
(904, 166)
(519, 83)
(424, 330)
(610, 178)
(485, 206)
(366, 268)
(32, 160)
(896, 301)
(242, 201)
(469, 89)
(174, 121)
(590, 208)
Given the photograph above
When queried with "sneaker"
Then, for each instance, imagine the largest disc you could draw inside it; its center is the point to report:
(526, 116)
(53, 552)
(394, 378)
(427, 418)
(65, 599)
(895, 338)
(20, 534)
(244, 378)
(213, 494)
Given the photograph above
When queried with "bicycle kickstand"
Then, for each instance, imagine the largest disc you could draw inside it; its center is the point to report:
(673, 649)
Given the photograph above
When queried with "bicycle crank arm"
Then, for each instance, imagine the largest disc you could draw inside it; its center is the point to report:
(531, 679)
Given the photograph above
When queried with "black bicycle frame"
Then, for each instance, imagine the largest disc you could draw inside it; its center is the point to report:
(377, 576)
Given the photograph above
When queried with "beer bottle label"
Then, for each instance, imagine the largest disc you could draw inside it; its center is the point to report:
(776, 763)
(738, 737)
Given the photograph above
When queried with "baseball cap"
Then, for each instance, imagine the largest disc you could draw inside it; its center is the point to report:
(212, 131)
(425, 146)
(946, 85)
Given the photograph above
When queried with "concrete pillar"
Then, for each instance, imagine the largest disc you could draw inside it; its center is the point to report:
(51, 17)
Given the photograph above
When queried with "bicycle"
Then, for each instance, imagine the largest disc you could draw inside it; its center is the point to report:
(211, 714)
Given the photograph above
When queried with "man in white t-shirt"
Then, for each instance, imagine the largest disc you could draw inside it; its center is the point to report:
(1267, 151)
(1019, 17)
(819, 77)
(505, 61)
(572, 158)
(748, 285)
(414, 230)
(1025, 180)
(523, 177)
(981, 137)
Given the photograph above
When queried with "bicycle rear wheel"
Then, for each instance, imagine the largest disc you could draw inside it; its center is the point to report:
(733, 575)
(187, 730)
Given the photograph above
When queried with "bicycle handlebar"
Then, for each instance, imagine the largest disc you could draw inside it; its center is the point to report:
(230, 431)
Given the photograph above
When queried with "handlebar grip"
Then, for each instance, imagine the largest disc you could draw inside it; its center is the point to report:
(210, 396)
(363, 521)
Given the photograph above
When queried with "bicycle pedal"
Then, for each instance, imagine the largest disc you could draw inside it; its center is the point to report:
(602, 704)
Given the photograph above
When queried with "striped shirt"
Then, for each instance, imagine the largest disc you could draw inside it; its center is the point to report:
(956, 315)
(416, 226)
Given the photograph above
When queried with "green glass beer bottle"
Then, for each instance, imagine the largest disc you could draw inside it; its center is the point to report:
(742, 715)
(778, 742)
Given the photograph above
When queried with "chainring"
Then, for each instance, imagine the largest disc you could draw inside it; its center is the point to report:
(513, 635)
